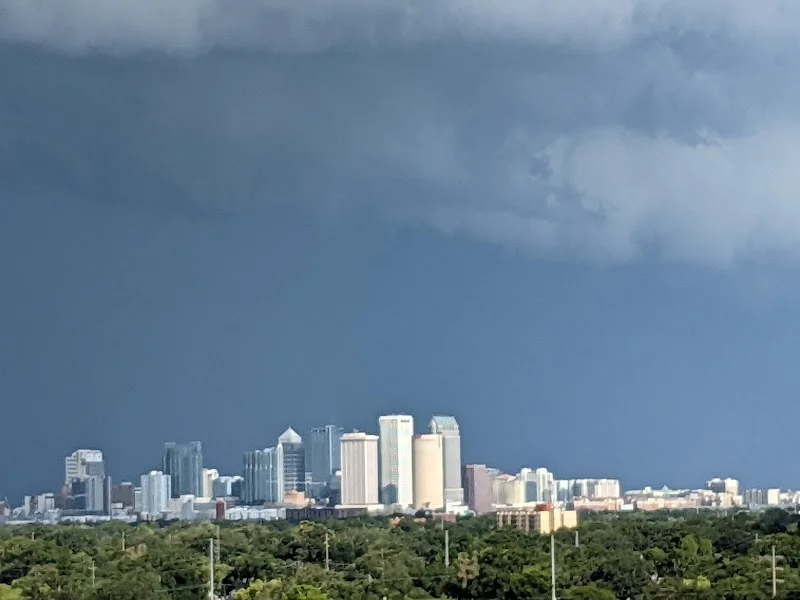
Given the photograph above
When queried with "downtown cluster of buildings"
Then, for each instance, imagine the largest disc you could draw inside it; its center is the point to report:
(333, 473)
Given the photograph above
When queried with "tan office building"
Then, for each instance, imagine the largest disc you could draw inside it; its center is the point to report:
(429, 471)
(359, 456)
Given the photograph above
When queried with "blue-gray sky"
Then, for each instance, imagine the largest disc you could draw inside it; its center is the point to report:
(574, 225)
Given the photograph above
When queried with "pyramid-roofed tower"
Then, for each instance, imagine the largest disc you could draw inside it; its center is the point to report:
(290, 436)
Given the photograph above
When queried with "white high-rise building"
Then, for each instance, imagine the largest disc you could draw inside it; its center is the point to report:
(209, 476)
(359, 473)
(429, 471)
(75, 464)
(448, 428)
(156, 493)
(397, 462)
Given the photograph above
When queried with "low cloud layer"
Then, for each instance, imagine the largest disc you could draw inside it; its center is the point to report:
(606, 130)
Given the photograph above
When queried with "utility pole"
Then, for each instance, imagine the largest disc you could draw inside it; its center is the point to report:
(553, 565)
(383, 566)
(446, 547)
(327, 553)
(93, 573)
(211, 569)
(774, 574)
(216, 551)
(577, 539)
(123, 541)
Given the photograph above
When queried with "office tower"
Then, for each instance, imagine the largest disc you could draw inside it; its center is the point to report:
(539, 485)
(396, 461)
(291, 463)
(122, 493)
(209, 475)
(95, 493)
(600, 489)
(359, 474)
(184, 464)
(260, 477)
(510, 490)
(224, 485)
(95, 486)
(155, 493)
(75, 464)
(325, 456)
(77, 495)
(448, 428)
(478, 488)
(564, 490)
(429, 471)
(722, 486)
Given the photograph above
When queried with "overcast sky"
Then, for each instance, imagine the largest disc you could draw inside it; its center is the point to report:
(519, 210)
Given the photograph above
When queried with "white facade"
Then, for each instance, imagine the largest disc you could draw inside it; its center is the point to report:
(156, 492)
(448, 428)
(359, 456)
(75, 463)
(209, 476)
(397, 462)
(429, 471)
(545, 485)
(596, 489)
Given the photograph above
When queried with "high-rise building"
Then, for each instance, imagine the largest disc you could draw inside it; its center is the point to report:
(209, 476)
(510, 490)
(397, 462)
(540, 485)
(596, 489)
(291, 463)
(184, 464)
(123, 494)
(260, 477)
(359, 474)
(75, 464)
(325, 456)
(721, 486)
(224, 485)
(155, 493)
(448, 428)
(95, 486)
(478, 488)
(429, 471)
(95, 493)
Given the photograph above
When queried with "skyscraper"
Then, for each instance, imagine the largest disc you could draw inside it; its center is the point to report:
(448, 428)
(95, 486)
(478, 488)
(397, 466)
(209, 476)
(325, 455)
(184, 464)
(75, 464)
(359, 485)
(261, 477)
(291, 463)
(429, 471)
(156, 491)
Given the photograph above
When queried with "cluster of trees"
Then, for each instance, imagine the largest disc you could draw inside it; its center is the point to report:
(636, 556)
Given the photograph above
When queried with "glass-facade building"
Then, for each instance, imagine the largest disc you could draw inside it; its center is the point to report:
(291, 463)
(261, 477)
(184, 465)
(325, 456)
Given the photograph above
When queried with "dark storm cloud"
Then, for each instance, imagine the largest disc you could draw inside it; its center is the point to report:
(603, 129)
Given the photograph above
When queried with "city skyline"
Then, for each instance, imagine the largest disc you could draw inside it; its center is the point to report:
(290, 435)
(538, 485)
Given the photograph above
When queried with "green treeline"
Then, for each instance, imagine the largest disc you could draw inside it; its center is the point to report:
(637, 556)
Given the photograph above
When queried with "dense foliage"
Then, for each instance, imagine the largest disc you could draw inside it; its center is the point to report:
(647, 556)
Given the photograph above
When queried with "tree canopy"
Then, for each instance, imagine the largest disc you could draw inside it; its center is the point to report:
(637, 556)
